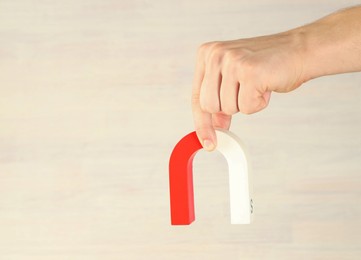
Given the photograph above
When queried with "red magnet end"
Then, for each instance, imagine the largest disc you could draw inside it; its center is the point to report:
(181, 179)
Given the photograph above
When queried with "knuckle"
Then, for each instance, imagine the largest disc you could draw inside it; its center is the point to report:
(217, 46)
(209, 47)
(230, 56)
(245, 109)
(253, 106)
(203, 48)
(229, 110)
(216, 52)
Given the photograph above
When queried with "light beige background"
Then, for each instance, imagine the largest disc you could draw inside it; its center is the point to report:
(94, 94)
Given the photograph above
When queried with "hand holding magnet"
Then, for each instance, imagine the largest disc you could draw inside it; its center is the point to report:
(181, 178)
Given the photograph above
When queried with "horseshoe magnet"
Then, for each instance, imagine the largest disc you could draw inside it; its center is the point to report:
(181, 178)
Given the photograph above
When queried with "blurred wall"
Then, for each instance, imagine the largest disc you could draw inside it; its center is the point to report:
(95, 94)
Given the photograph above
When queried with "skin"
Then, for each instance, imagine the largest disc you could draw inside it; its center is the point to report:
(240, 75)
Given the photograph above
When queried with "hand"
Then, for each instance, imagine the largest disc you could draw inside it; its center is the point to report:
(239, 76)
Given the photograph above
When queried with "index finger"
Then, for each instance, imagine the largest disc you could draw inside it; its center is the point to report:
(202, 120)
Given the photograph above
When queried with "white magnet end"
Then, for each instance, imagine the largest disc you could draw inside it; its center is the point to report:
(230, 146)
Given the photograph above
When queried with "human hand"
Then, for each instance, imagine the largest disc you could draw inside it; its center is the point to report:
(239, 76)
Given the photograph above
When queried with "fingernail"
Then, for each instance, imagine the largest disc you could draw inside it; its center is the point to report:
(208, 145)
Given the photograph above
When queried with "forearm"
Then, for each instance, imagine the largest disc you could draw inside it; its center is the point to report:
(331, 45)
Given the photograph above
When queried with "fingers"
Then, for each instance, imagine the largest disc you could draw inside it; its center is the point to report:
(204, 128)
(206, 95)
(223, 85)
(229, 94)
(209, 92)
(202, 119)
